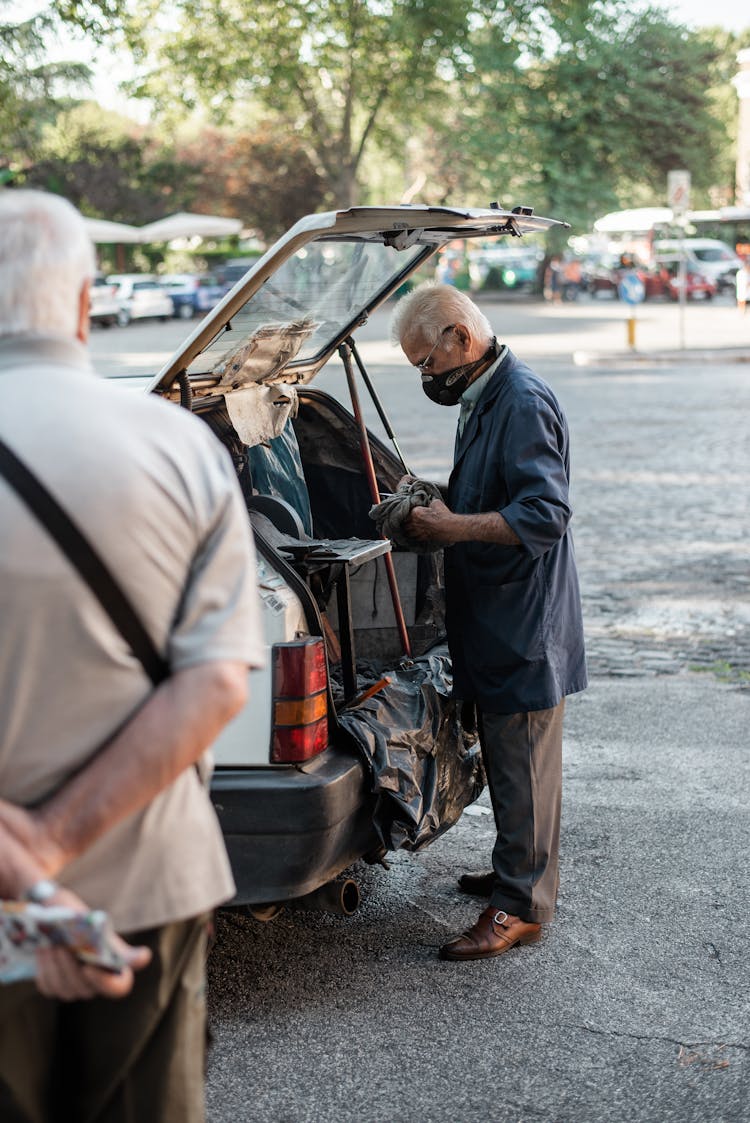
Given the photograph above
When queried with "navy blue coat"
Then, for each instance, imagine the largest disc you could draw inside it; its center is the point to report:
(514, 612)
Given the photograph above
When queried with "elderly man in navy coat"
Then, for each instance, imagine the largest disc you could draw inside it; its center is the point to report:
(513, 603)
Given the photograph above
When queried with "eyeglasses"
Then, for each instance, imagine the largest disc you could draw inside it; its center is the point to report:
(423, 365)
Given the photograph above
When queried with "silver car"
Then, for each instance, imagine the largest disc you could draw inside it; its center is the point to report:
(140, 297)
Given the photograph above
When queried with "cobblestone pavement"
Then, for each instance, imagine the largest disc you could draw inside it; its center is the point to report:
(661, 471)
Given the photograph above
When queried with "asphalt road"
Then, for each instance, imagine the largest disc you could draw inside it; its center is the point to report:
(635, 1006)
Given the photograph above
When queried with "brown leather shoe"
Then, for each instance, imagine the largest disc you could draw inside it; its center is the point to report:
(494, 933)
(477, 884)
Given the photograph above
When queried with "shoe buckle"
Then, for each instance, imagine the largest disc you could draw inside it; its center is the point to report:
(496, 918)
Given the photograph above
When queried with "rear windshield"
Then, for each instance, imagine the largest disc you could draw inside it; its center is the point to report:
(311, 299)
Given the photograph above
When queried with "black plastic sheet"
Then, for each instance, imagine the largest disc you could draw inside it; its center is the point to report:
(425, 766)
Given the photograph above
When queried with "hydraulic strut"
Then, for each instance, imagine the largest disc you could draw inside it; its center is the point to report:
(377, 402)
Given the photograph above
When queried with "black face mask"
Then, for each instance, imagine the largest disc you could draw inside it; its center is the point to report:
(447, 387)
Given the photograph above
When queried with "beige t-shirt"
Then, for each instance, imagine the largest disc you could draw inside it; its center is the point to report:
(156, 493)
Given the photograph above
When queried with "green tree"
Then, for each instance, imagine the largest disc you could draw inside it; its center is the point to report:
(111, 168)
(572, 106)
(32, 89)
(344, 75)
(594, 122)
(259, 176)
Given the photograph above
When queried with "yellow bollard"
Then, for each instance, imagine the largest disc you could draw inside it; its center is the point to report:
(631, 333)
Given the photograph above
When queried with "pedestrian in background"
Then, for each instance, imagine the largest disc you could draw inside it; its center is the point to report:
(553, 281)
(98, 771)
(572, 278)
(742, 282)
(513, 604)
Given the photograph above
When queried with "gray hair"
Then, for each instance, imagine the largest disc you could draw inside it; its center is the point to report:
(428, 309)
(46, 256)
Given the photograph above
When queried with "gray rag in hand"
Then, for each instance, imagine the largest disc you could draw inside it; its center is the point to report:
(390, 513)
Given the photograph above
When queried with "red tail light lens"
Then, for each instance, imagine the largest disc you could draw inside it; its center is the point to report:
(300, 702)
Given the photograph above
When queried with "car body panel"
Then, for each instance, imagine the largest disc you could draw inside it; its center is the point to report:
(660, 277)
(141, 297)
(104, 306)
(290, 830)
(192, 294)
(246, 739)
(666, 278)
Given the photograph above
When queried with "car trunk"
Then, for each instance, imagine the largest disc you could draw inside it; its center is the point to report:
(310, 473)
(308, 486)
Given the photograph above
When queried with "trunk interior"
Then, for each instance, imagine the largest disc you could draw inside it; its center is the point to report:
(311, 483)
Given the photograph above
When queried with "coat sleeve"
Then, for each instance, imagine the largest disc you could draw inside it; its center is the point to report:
(534, 455)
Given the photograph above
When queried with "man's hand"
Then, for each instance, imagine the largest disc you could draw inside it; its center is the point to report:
(435, 523)
(60, 975)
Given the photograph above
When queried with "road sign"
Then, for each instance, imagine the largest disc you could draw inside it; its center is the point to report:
(631, 288)
(678, 192)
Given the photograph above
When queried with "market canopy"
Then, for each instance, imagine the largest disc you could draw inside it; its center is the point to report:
(638, 221)
(184, 225)
(105, 233)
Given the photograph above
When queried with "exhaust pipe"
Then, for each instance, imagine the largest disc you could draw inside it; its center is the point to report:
(339, 897)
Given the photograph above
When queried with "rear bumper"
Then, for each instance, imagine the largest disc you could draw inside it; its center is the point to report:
(290, 830)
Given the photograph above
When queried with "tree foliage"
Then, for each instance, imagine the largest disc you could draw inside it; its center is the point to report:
(572, 106)
(29, 86)
(111, 168)
(597, 120)
(342, 74)
(257, 176)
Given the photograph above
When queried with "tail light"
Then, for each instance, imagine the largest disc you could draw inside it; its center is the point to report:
(300, 700)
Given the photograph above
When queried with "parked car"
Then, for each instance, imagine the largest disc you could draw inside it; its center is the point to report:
(192, 294)
(507, 267)
(228, 274)
(350, 745)
(710, 257)
(661, 278)
(664, 279)
(604, 274)
(104, 307)
(140, 297)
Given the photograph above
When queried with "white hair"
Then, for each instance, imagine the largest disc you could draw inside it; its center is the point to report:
(46, 256)
(430, 308)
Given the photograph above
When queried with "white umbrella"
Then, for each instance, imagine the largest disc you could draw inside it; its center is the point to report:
(104, 233)
(185, 225)
(637, 221)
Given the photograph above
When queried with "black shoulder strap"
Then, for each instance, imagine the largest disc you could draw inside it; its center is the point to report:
(83, 557)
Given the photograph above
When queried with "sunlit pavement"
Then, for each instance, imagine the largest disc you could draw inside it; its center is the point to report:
(586, 327)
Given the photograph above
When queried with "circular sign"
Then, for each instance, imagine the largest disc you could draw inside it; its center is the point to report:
(631, 288)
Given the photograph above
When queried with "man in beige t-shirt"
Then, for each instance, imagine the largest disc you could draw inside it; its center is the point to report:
(131, 831)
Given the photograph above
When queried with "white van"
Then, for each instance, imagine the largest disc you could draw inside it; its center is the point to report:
(714, 259)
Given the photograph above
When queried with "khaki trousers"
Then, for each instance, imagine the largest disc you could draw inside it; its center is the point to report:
(523, 761)
(137, 1060)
